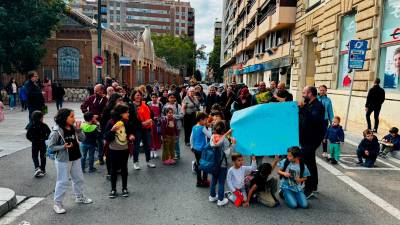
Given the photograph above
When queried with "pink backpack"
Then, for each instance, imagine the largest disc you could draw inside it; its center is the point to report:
(1, 111)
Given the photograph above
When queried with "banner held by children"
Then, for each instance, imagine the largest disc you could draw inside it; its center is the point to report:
(267, 129)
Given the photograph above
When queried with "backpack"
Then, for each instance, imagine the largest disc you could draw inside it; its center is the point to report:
(286, 164)
(210, 160)
(50, 153)
(248, 179)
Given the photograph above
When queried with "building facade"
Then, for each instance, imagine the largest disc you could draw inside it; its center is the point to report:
(217, 29)
(161, 16)
(320, 37)
(256, 40)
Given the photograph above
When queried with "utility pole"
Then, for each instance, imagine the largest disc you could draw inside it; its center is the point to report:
(99, 38)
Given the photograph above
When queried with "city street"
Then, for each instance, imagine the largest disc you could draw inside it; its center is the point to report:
(167, 195)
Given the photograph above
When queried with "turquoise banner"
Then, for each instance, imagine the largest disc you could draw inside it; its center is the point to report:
(267, 129)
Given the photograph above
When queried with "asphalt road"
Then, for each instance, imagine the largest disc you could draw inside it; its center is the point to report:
(167, 195)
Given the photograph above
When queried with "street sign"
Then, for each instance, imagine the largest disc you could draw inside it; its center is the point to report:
(98, 60)
(357, 51)
(124, 61)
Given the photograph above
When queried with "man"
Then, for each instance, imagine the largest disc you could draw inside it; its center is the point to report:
(282, 94)
(263, 95)
(96, 104)
(273, 87)
(375, 99)
(392, 80)
(327, 103)
(212, 98)
(312, 131)
(34, 93)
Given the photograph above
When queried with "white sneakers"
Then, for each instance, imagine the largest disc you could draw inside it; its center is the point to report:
(83, 200)
(223, 202)
(136, 166)
(213, 199)
(151, 164)
(58, 209)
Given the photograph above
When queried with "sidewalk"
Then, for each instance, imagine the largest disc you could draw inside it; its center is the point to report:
(8, 200)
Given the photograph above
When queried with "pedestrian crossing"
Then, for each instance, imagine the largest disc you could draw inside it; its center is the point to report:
(23, 205)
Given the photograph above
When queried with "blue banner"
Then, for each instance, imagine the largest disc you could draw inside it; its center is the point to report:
(266, 129)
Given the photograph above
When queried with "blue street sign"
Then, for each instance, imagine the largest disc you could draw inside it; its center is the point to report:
(357, 51)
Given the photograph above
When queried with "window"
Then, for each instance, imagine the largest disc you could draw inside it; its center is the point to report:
(312, 4)
(389, 61)
(68, 63)
(348, 32)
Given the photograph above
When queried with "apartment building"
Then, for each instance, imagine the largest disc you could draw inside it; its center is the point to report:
(256, 40)
(322, 32)
(217, 28)
(161, 16)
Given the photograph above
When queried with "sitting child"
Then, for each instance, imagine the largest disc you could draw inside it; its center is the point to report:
(391, 143)
(293, 173)
(263, 186)
(368, 149)
(335, 135)
(236, 175)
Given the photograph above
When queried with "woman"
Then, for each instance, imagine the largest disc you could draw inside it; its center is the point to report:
(47, 89)
(63, 141)
(202, 96)
(190, 105)
(140, 118)
(243, 101)
(59, 93)
(227, 98)
(12, 90)
(118, 133)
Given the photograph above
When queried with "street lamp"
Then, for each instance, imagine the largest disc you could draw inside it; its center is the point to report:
(99, 38)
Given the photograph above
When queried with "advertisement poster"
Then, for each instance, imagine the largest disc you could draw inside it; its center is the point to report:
(391, 60)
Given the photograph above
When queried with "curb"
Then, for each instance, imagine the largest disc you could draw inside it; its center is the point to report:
(8, 200)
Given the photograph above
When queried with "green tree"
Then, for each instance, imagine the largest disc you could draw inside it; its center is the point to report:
(25, 25)
(179, 52)
(214, 60)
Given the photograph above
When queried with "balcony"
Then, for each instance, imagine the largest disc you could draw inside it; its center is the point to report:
(276, 17)
(251, 39)
(253, 10)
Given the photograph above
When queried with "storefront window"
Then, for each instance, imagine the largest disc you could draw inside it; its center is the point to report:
(389, 62)
(348, 31)
(68, 63)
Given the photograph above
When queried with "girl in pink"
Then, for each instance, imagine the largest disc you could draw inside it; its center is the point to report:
(156, 108)
(47, 90)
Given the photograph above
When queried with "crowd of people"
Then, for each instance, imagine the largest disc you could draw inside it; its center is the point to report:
(119, 123)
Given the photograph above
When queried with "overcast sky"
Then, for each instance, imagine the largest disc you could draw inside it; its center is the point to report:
(206, 11)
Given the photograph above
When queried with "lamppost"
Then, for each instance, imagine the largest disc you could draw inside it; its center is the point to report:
(99, 38)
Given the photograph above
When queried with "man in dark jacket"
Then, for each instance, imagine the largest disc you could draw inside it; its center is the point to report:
(312, 131)
(96, 104)
(375, 99)
(34, 93)
(212, 98)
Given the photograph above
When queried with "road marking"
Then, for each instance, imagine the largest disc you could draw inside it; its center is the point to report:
(11, 216)
(361, 189)
(344, 156)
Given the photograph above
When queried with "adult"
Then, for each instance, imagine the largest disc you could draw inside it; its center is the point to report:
(312, 131)
(201, 96)
(328, 119)
(110, 90)
(375, 99)
(34, 93)
(190, 105)
(243, 101)
(178, 116)
(263, 95)
(212, 98)
(59, 93)
(140, 118)
(96, 104)
(182, 93)
(282, 95)
(273, 87)
(228, 96)
(47, 90)
(12, 91)
(391, 80)
(164, 98)
(176, 91)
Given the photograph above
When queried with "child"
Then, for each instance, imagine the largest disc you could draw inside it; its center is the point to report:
(335, 135)
(178, 115)
(156, 108)
(118, 134)
(198, 140)
(89, 145)
(293, 173)
(368, 149)
(38, 133)
(220, 142)
(391, 143)
(63, 141)
(263, 186)
(169, 130)
(236, 175)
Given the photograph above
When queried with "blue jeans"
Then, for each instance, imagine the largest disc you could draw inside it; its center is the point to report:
(295, 199)
(369, 159)
(143, 135)
(59, 103)
(177, 148)
(13, 99)
(221, 183)
(87, 149)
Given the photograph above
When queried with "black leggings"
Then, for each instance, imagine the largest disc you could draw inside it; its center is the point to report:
(119, 160)
(200, 178)
(189, 120)
(39, 149)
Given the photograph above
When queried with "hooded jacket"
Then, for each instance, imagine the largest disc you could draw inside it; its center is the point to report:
(56, 142)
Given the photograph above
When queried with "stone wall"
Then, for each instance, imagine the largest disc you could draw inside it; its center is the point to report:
(75, 94)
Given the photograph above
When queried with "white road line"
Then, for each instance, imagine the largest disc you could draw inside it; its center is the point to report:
(361, 189)
(19, 210)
